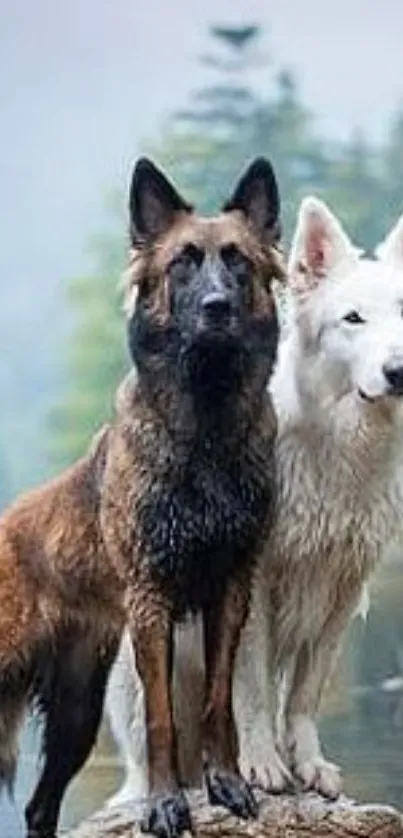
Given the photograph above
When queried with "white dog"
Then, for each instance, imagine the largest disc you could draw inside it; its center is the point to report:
(338, 390)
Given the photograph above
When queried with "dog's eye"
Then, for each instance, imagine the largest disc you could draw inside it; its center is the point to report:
(236, 261)
(353, 317)
(192, 253)
(182, 263)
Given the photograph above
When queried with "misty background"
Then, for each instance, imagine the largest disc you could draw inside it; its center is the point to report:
(86, 87)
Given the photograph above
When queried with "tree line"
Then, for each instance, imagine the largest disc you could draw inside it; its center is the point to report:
(203, 146)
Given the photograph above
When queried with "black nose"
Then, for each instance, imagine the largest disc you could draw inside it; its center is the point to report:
(394, 376)
(217, 306)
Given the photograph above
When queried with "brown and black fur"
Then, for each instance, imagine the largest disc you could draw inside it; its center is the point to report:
(189, 480)
(60, 620)
(163, 515)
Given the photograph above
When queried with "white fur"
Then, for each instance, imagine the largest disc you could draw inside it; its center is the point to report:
(125, 706)
(340, 502)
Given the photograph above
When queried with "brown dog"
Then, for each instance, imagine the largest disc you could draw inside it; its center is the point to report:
(164, 515)
(60, 620)
(189, 482)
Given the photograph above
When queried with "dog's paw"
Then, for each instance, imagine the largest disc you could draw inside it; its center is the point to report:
(121, 798)
(125, 795)
(135, 787)
(231, 791)
(168, 816)
(319, 775)
(269, 773)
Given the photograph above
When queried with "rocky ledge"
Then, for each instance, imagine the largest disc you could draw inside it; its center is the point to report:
(286, 816)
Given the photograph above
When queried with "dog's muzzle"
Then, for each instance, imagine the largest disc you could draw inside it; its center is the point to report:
(217, 309)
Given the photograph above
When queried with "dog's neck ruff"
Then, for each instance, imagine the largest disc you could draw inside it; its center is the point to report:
(216, 414)
(205, 514)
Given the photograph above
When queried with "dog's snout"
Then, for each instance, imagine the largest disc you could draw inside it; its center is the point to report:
(394, 376)
(217, 306)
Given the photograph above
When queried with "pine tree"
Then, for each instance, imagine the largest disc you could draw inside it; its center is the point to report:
(210, 140)
(283, 129)
(203, 148)
(392, 158)
(355, 191)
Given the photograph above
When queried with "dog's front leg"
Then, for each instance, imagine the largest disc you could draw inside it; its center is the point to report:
(124, 704)
(314, 664)
(151, 629)
(223, 621)
(255, 703)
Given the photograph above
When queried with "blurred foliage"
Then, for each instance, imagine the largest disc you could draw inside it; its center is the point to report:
(204, 147)
(96, 355)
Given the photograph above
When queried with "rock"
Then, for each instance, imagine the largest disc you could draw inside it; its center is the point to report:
(297, 816)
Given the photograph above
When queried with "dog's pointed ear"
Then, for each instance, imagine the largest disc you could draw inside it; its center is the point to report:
(320, 245)
(154, 202)
(256, 195)
(391, 249)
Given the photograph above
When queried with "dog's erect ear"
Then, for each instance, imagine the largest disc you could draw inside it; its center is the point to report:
(320, 246)
(154, 202)
(391, 249)
(256, 195)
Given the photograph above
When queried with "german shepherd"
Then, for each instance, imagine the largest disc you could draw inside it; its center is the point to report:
(166, 514)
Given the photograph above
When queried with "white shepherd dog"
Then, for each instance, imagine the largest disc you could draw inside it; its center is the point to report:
(338, 391)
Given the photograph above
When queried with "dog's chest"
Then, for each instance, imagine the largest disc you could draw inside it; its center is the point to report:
(333, 521)
(202, 520)
(333, 493)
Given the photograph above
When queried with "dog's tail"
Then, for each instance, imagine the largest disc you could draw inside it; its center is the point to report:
(21, 682)
(14, 700)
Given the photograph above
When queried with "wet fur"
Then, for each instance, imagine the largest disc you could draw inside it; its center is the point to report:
(339, 503)
(189, 483)
(201, 506)
(59, 626)
(91, 550)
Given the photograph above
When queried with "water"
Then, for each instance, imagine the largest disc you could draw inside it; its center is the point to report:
(99, 779)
